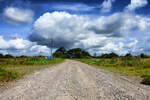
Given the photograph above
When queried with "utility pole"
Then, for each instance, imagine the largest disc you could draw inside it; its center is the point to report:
(52, 45)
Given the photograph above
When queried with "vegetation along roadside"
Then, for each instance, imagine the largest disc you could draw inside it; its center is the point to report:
(137, 67)
(13, 68)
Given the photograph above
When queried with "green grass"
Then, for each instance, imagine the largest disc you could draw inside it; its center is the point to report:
(14, 68)
(133, 67)
(6, 75)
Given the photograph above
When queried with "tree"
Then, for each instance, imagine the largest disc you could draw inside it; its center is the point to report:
(77, 53)
(144, 55)
(60, 53)
(8, 56)
(74, 53)
(61, 49)
(1, 56)
(111, 55)
(128, 55)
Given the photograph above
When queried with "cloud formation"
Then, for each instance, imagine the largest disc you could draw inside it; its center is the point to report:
(17, 16)
(64, 28)
(105, 33)
(73, 7)
(19, 46)
(106, 6)
(135, 4)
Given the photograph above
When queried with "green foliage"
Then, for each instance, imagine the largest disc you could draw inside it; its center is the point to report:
(111, 55)
(135, 67)
(77, 53)
(128, 55)
(14, 68)
(1, 56)
(6, 56)
(72, 53)
(60, 53)
(144, 56)
(62, 49)
(6, 75)
(25, 61)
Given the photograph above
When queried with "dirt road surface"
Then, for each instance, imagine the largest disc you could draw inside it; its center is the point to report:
(73, 80)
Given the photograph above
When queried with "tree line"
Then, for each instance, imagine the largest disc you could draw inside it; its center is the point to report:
(72, 53)
(80, 53)
(6, 56)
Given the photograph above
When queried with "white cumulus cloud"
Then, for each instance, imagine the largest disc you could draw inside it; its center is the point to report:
(17, 16)
(137, 4)
(20, 46)
(105, 33)
(106, 6)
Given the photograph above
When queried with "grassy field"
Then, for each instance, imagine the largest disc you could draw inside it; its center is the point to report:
(14, 68)
(133, 67)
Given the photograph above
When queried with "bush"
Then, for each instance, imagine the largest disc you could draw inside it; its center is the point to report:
(6, 75)
(1, 56)
(8, 56)
(128, 55)
(146, 79)
(144, 56)
(111, 55)
(60, 53)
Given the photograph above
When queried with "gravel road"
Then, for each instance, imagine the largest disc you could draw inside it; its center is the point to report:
(73, 80)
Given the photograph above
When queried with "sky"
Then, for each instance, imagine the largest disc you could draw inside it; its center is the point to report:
(97, 26)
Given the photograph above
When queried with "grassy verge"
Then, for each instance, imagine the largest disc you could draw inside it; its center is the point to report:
(15, 68)
(136, 68)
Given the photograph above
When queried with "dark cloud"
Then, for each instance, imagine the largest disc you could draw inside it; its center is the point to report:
(75, 31)
(110, 26)
(57, 42)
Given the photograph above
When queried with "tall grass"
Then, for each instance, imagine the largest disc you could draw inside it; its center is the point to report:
(6, 75)
(14, 68)
(26, 61)
(134, 67)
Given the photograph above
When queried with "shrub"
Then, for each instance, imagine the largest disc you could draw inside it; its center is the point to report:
(128, 55)
(1, 56)
(111, 55)
(146, 79)
(144, 56)
(6, 75)
(8, 56)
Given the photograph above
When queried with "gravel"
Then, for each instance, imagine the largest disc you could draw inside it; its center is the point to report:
(73, 80)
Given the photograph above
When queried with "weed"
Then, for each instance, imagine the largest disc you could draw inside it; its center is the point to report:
(133, 67)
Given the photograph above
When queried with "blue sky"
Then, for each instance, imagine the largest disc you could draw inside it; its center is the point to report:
(98, 26)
